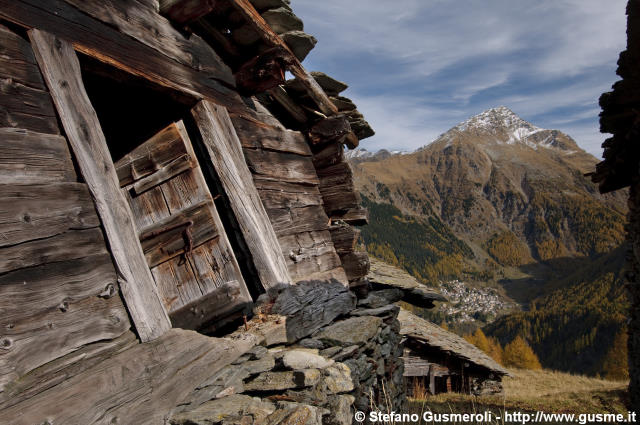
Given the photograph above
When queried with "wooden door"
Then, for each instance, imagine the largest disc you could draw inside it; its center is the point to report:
(181, 234)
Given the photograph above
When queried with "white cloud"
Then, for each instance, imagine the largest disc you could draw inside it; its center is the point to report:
(462, 56)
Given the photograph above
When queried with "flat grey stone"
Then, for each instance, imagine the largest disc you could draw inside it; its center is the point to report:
(298, 359)
(352, 331)
(271, 381)
(282, 20)
(296, 414)
(346, 353)
(300, 43)
(331, 351)
(270, 4)
(226, 410)
(309, 305)
(390, 310)
(381, 298)
(267, 362)
(311, 343)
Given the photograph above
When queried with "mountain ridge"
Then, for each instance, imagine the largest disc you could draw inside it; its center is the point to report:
(496, 201)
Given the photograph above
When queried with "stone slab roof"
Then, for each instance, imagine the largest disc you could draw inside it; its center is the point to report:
(433, 335)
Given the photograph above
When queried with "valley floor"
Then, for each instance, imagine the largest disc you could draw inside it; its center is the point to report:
(532, 391)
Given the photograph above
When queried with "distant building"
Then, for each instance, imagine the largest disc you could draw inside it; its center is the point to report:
(440, 361)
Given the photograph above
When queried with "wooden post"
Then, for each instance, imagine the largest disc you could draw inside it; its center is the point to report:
(432, 381)
(61, 70)
(225, 153)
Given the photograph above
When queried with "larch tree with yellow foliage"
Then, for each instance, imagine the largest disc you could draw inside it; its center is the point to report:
(519, 354)
(615, 364)
(491, 346)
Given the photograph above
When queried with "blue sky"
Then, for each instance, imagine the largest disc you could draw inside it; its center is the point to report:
(418, 67)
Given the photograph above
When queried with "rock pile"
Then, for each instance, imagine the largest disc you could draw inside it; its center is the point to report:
(341, 357)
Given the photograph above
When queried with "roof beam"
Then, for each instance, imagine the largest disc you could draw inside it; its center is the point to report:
(246, 9)
(186, 11)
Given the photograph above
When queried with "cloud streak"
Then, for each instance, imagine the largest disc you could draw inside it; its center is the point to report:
(418, 67)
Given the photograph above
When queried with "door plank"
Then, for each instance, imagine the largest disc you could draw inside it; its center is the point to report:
(148, 207)
(177, 283)
(61, 69)
(159, 151)
(178, 234)
(225, 153)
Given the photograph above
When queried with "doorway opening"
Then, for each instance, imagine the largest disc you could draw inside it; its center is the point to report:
(187, 231)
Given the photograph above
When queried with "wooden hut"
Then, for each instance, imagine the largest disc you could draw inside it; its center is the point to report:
(157, 174)
(439, 361)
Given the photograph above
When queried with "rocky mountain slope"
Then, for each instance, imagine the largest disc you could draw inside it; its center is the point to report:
(508, 193)
(500, 203)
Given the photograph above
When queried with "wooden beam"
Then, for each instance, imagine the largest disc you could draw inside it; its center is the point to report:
(61, 70)
(121, 50)
(314, 90)
(225, 154)
(30, 157)
(140, 385)
(281, 96)
(148, 27)
(186, 11)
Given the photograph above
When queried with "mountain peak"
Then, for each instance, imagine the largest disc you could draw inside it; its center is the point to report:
(499, 118)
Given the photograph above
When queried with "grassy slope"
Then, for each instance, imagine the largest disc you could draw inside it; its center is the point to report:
(531, 391)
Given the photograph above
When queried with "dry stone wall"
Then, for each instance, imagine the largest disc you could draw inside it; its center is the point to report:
(333, 364)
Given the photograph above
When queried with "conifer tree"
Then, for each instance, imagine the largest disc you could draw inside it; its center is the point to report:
(519, 354)
(615, 365)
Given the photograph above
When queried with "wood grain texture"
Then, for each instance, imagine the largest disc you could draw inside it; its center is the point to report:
(309, 253)
(106, 44)
(329, 154)
(253, 18)
(344, 238)
(16, 60)
(33, 211)
(181, 220)
(185, 11)
(61, 69)
(63, 368)
(281, 166)
(255, 134)
(225, 154)
(287, 221)
(69, 245)
(179, 233)
(140, 385)
(159, 151)
(25, 107)
(32, 290)
(37, 339)
(29, 157)
(155, 31)
(277, 194)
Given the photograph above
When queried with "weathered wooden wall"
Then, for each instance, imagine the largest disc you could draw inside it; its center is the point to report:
(64, 330)
(287, 181)
(58, 286)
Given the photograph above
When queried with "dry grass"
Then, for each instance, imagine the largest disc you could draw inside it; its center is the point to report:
(541, 390)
